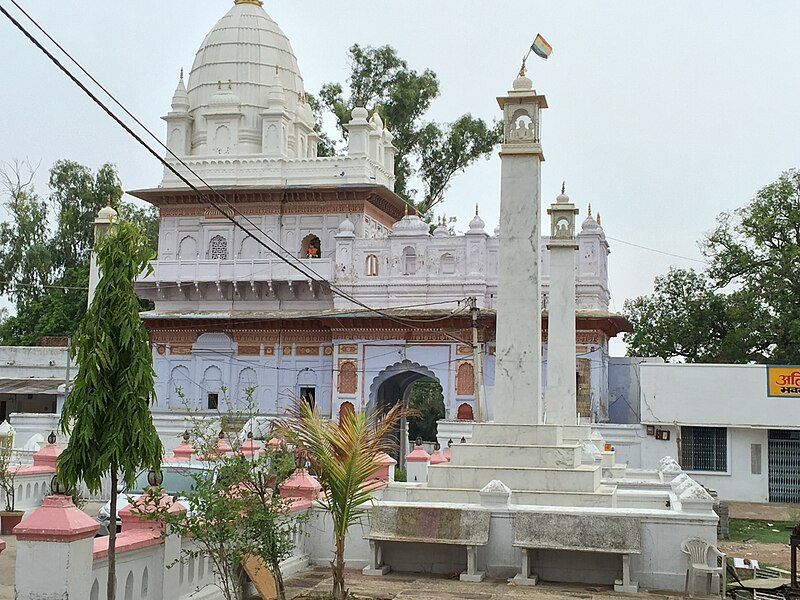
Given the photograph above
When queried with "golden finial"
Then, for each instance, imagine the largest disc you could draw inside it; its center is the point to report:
(563, 187)
(590, 209)
(255, 2)
(276, 70)
(406, 208)
(181, 73)
(523, 68)
(598, 219)
(476, 209)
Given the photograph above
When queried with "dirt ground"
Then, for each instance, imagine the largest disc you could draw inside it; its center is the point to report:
(774, 555)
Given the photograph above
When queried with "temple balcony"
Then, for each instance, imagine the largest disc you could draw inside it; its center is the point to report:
(252, 278)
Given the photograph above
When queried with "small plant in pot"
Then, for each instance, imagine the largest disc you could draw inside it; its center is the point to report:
(9, 518)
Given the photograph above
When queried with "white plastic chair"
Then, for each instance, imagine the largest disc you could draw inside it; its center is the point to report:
(698, 551)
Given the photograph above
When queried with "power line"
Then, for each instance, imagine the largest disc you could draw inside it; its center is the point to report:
(321, 281)
(697, 260)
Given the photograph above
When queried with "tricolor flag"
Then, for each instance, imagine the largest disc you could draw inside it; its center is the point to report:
(541, 47)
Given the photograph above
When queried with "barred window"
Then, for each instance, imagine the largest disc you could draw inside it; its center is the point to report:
(704, 448)
(218, 248)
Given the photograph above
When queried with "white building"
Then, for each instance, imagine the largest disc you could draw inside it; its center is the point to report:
(231, 313)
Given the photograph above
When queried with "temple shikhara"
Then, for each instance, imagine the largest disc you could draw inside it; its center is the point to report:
(232, 313)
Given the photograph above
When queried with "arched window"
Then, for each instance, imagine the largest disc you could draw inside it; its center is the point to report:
(218, 248)
(311, 247)
(448, 264)
(465, 413)
(179, 380)
(129, 587)
(465, 379)
(145, 583)
(409, 261)
(246, 390)
(372, 265)
(187, 250)
(95, 593)
(345, 408)
(249, 248)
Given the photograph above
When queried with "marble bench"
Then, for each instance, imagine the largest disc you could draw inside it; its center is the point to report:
(427, 525)
(578, 533)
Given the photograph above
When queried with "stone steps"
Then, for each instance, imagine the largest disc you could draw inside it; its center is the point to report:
(583, 478)
(492, 455)
(528, 435)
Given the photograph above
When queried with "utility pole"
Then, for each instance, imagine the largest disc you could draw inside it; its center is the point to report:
(477, 363)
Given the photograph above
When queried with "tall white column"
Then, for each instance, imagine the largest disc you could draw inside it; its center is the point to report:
(517, 394)
(560, 393)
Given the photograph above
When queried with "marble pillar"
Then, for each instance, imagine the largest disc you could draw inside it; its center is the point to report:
(560, 392)
(517, 393)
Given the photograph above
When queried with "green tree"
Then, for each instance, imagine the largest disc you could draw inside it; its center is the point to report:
(107, 413)
(744, 307)
(427, 401)
(344, 456)
(757, 249)
(380, 80)
(687, 318)
(45, 245)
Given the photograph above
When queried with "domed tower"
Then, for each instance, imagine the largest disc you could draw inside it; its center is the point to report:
(243, 117)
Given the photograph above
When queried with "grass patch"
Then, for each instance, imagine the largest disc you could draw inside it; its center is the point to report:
(765, 532)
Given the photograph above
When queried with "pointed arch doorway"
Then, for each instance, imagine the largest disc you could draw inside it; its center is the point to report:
(396, 384)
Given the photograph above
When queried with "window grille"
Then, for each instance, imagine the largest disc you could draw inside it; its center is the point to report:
(704, 448)
(219, 248)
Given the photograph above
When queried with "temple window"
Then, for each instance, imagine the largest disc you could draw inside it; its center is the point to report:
(409, 261)
(213, 401)
(309, 396)
(311, 247)
(448, 264)
(218, 248)
(372, 265)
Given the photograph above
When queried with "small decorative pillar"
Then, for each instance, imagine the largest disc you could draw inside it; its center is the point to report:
(48, 455)
(417, 462)
(437, 457)
(250, 448)
(54, 551)
(184, 452)
(387, 466)
(300, 485)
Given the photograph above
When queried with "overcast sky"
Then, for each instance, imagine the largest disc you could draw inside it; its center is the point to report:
(662, 114)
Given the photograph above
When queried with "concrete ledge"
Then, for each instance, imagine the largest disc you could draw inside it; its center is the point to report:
(379, 572)
(526, 581)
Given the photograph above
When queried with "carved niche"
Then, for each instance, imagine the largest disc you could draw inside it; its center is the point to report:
(348, 377)
(465, 379)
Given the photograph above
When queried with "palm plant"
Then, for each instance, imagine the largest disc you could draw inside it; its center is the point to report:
(343, 456)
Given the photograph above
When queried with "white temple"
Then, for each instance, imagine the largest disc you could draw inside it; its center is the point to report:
(229, 313)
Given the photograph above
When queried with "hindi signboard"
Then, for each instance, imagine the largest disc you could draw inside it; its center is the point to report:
(783, 382)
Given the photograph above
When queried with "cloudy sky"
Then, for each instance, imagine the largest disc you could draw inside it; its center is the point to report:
(662, 114)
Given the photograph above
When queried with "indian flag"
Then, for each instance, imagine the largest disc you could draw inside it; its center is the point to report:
(541, 47)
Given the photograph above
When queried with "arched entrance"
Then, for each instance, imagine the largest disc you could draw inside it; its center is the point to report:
(396, 384)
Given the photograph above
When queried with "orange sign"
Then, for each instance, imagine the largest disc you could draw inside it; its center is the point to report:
(783, 382)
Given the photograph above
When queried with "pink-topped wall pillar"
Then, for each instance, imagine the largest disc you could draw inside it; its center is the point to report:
(54, 551)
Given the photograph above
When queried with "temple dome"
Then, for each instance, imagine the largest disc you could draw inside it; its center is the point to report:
(410, 225)
(248, 49)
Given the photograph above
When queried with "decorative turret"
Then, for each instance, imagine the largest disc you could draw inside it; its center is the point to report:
(477, 225)
(179, 121)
